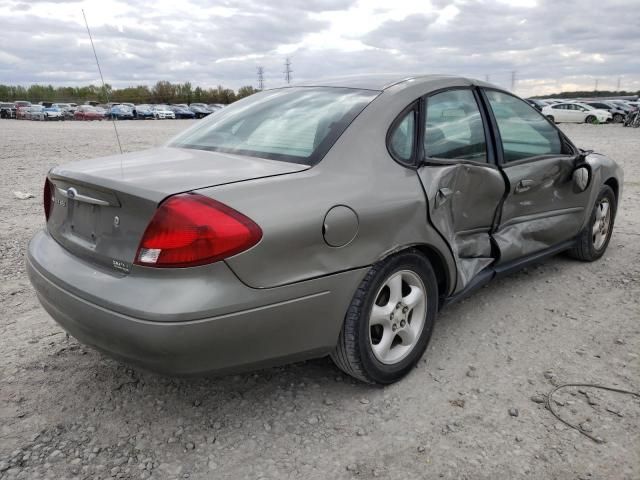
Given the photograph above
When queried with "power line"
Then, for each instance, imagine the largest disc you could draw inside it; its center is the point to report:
(260, 78)
(287, 70)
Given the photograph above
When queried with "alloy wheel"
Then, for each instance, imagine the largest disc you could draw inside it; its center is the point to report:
(397, 317)
(601, 224)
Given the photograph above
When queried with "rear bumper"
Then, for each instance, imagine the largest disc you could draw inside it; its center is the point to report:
(202, 320)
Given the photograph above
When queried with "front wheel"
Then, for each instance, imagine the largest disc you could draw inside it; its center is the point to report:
(618, 118)
(594, 239)
(591, 119)
(389, 322)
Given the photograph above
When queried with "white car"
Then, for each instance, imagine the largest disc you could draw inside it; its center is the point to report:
(161, 112)
(53, 113)
(575, 112)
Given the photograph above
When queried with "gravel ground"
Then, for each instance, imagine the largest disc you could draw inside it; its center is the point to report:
(470, 410)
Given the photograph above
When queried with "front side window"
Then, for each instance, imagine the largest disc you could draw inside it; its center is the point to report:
(401, 138)
(524, 132)
(296, 125)
(454, 128)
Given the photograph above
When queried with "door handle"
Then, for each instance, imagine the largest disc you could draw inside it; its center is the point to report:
(443, 195)
(524, 185)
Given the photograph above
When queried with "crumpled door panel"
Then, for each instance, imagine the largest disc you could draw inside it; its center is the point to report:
(463, 199)
(532, 234)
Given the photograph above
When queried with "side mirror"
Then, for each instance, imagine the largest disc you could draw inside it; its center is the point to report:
(581, 178)
(582, 172)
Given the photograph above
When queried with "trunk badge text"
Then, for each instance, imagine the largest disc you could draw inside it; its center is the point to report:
(121, 266)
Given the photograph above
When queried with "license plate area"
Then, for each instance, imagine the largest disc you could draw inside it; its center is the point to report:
(83, 220)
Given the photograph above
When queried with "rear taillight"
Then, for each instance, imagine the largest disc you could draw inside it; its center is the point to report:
(47, 198)
(191, 229)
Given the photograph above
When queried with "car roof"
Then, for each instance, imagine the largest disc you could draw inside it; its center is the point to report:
(380, 81)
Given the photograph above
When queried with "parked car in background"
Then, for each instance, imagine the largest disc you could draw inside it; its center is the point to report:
(181, 111)
(622, 105)
(142, 112)
(7, 110)
(537, 104)
(120, 112)
(67, 110)
(200, 110)
(53, 113)
(574, 112)
(616, 112)
(214, 107)
(160, 112)
(21, 109)
(88, 112)
(34, 112)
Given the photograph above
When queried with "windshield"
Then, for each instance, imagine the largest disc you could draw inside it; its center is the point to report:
(291, 124)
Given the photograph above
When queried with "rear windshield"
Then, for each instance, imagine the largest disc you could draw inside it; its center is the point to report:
(297, 124)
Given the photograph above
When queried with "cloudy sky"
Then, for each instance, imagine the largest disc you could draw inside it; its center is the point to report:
(552, 45)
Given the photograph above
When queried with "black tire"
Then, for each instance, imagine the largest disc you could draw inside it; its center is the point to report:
(591, 119)
(551, 119)
(354, 353)
(618, 118)
(585, 249)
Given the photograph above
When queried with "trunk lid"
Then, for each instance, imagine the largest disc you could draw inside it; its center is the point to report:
(101, 207)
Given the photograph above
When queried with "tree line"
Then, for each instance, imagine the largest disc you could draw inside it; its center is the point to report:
(162, 92)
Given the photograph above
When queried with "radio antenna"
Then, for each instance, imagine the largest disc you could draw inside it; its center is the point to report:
(104, 88)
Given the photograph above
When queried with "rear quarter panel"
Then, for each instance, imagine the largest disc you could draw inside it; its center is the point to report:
(358, 172)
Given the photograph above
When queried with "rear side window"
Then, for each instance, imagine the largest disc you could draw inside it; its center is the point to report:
(297, 124)
(401, 138)
(524, 132)
(454, 128)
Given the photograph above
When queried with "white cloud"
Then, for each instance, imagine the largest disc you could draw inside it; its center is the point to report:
(209, 44)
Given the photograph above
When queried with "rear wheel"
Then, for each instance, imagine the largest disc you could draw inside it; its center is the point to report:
(551, 119)
(389, 322)
(594, 239)
(618, 118)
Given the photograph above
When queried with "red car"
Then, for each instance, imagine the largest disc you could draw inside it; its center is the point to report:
(21, 109)
(87, 112)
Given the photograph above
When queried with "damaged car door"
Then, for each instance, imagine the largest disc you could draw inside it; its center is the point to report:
(462, 182)
(543, 208)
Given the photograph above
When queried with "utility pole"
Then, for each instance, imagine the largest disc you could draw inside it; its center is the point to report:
(513, 80)
(260, 78)
(596, 87)
(287, 70)
(486, 77)
(618, 87)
